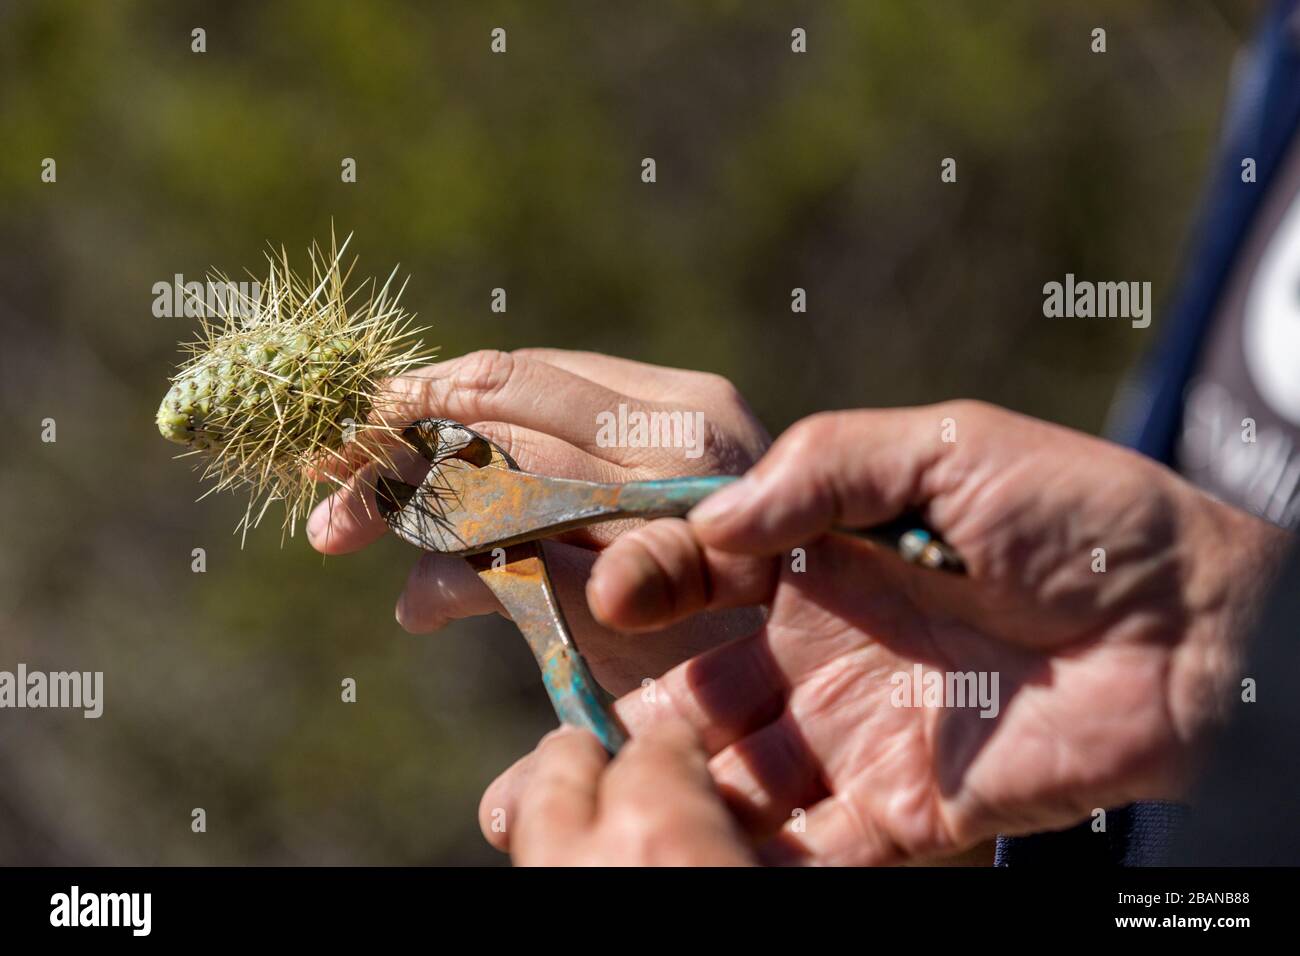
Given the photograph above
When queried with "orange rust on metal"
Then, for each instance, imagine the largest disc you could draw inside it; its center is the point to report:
(488, 511)
(526, 569)
(559, 663)
(473, 498)
(495, 506)
(519, 580)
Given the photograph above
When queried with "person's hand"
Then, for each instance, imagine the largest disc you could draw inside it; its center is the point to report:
(652, 805)
(1106, 594)
(541, 406)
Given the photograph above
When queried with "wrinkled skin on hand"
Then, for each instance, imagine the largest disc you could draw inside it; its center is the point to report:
(1109, 681)
(542, 407)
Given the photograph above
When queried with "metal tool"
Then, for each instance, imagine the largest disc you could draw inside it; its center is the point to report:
(475, 502)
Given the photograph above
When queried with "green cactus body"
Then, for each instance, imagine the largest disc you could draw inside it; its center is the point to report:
(276, 389)
(247, 385)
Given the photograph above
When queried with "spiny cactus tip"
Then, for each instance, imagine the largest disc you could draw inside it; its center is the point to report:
(281, 379)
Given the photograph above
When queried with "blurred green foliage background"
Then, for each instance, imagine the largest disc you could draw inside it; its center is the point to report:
(522, 170)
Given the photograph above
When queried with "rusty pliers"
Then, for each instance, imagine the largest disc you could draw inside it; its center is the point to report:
(475, 502)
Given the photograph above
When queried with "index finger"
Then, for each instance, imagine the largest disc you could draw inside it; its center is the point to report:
(852, 469)
(653, 383)
(500, 386)
(558, 802)
(348, 520)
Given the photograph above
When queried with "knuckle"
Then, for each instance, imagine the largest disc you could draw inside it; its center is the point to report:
(971, 409)
(485, 372)
(672, 535)
(672, 547)
(720, 388)
(534, 353)
(553, 738)
(813, 432)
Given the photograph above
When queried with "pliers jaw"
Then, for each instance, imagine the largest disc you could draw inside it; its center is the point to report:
(475, 502)
(418, 513)
(437, 439)
(515, 573)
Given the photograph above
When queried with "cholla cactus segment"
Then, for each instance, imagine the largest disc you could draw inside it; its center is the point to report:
(283, 385)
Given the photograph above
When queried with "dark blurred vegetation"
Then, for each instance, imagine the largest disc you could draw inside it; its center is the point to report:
(522, 171)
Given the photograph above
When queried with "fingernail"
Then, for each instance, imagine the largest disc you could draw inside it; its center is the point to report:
(719, 503)
(597, 602)
(317, 523)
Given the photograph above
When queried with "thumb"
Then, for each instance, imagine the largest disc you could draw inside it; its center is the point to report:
(851, 469)
(659, 574)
